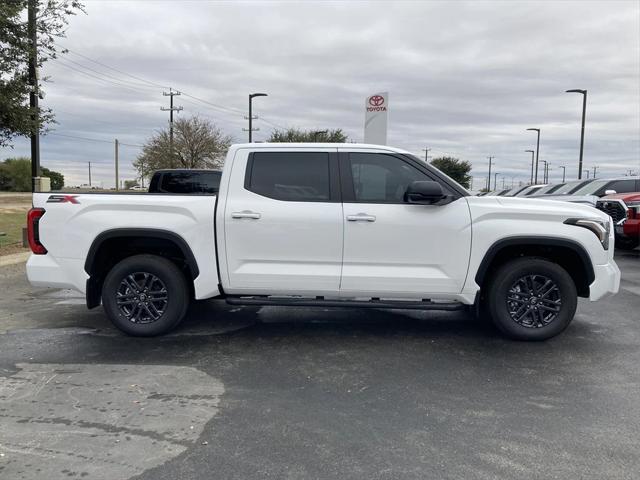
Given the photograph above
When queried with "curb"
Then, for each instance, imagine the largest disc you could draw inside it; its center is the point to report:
(7, 260)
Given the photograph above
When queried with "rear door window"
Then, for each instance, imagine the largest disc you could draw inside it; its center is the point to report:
(290, 176)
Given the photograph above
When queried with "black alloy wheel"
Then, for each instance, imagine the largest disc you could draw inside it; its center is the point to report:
(534, 301)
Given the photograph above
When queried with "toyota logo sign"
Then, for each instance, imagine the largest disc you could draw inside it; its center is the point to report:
(376, 100)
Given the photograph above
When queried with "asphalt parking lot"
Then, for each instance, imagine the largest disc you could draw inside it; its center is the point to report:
(242, 393)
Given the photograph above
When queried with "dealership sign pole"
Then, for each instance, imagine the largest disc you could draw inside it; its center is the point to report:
(375, 118)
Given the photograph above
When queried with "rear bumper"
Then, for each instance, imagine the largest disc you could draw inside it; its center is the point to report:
(607, 281)
(47, 271)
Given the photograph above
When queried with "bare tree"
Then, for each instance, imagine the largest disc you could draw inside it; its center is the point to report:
(197, 143)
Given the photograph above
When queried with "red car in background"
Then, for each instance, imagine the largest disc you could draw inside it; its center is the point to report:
(624, 208)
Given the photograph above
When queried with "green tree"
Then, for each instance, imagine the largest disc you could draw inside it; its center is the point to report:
(457, 169)
(130, 183)
(197, 143)
(15, 175)
(51, 22)
(295, 135)
(57, 179)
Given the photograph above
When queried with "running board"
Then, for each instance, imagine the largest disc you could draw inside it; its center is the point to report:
(321, 302)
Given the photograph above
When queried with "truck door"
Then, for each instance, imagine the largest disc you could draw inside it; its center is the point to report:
(283, 222)
(396, 249)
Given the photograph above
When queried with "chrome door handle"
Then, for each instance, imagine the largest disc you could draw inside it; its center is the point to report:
(246, 214)
(361, 217)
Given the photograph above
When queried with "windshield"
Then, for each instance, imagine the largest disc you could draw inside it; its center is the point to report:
(591, 187)
(548, 189)
(571, 187)
(515, 191)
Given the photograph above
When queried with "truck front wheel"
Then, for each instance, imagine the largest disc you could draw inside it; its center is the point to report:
(532, 299)
(145, 295)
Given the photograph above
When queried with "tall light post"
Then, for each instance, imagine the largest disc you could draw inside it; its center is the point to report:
(251, 97)
(584, 112)
(532, 152)
(564, 171)
(495, 180)
(537, 152)
(587, 173)
(544, 171)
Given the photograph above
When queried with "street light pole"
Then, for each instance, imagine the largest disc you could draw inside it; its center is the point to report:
(587, 173)
(564, 170)
(495, 180)
(251, 97)
(489, 176)
(584, 112)
(537, 152)
(544, 172)
(532, 152)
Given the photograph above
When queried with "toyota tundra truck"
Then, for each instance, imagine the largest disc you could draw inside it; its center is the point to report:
(325, 225)
(624, 210)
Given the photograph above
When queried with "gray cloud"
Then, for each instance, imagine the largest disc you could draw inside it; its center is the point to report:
(464, 78)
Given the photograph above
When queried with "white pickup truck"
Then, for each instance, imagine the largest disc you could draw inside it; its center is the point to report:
(342, 225)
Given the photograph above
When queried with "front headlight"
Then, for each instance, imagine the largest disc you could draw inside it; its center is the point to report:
(634, 208)
(601, 228)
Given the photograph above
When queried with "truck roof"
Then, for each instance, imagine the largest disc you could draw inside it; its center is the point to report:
(350, 146)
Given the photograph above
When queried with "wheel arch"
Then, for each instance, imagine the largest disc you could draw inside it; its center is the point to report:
(135, 241)
(569, 254)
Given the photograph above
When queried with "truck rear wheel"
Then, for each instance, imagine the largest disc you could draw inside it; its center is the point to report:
(532, 299)
(145, 295)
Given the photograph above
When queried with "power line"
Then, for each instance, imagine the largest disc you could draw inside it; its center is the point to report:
(120, 80)
(129, 87)
(206, 102)
(114, 69)
(93, 139)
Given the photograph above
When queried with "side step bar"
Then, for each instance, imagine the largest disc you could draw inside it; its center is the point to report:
(321, 302)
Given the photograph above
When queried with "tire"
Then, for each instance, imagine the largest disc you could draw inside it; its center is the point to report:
(145, 312)
(522, 316)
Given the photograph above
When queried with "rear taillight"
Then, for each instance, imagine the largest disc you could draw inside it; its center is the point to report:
(33, 231)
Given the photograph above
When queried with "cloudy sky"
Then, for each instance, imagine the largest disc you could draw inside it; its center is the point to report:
(465, 78)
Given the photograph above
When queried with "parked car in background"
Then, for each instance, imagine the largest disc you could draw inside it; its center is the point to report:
(530, 190)
(551, 188)
(515, 191)
(186, 181)
(497, 193)
(589, 193)
(567, 188)
(624, 209)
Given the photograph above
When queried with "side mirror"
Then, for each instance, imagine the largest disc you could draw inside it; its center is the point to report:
(423, 193)
(609, 192)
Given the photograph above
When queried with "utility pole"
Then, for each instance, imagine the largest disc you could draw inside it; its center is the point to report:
(503, 179)
(251, 118)
(171, 109)
(489, 176)
(89, 174)
(594, 171)
(117, 183)
(426, 154)
(564, 170)
(495, 180)
(32, 7)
